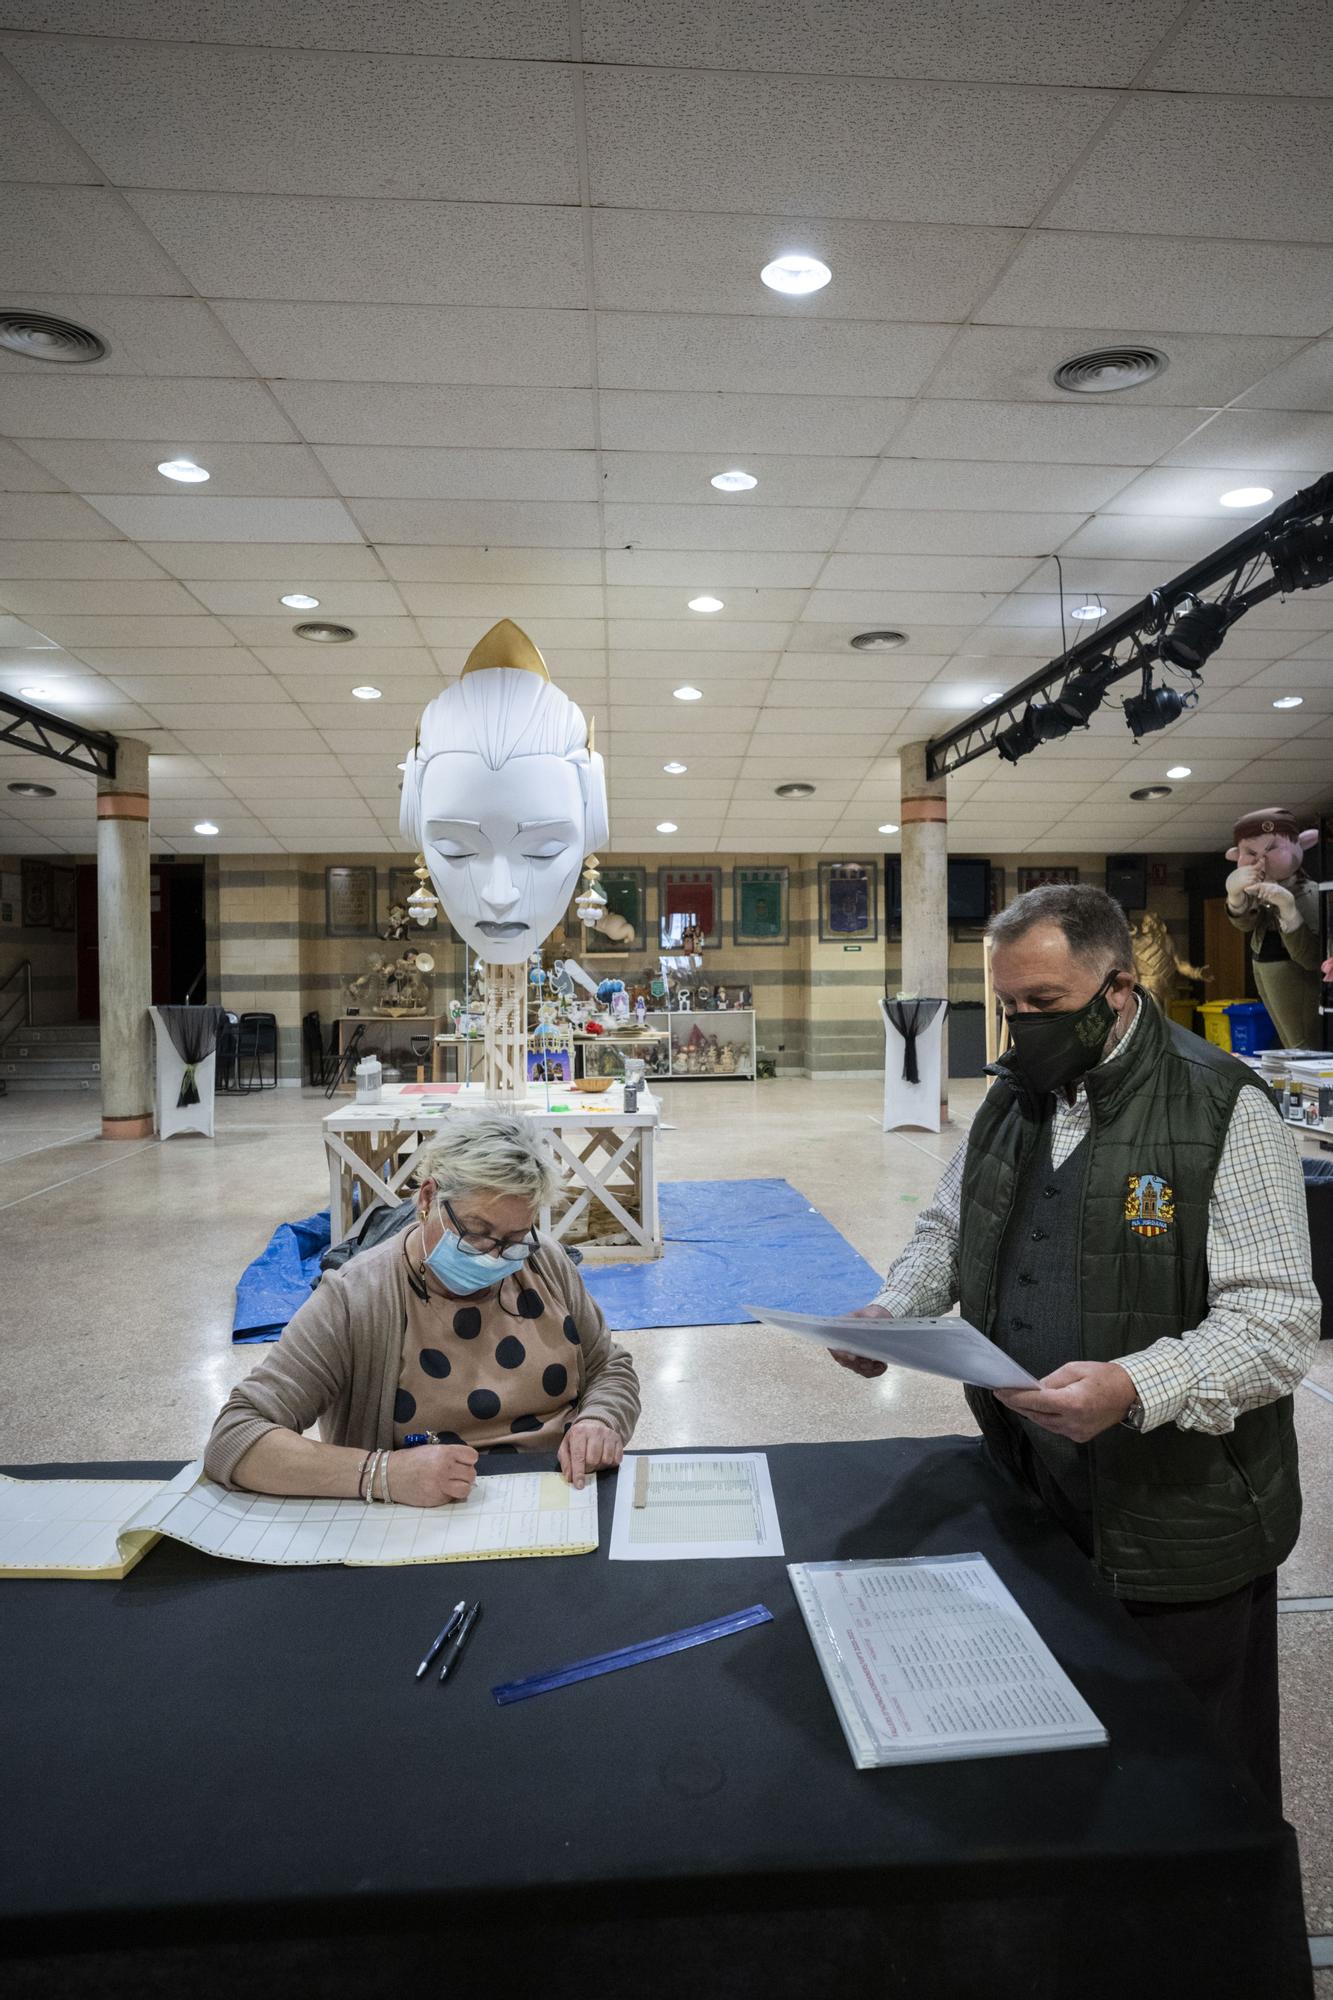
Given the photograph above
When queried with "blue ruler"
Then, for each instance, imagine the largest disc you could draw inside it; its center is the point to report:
(633, 1656)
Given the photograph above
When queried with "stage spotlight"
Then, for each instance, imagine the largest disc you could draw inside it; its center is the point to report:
(1196, 634)
(1155, 708)
(1019, 738)
(1302, 555)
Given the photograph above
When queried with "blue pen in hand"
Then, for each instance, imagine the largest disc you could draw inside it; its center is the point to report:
(446, 1632)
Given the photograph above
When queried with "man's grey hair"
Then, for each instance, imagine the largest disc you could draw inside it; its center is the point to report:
(489, 1152)
(1096, 929)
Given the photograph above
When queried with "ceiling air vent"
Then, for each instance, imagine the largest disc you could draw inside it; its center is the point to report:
(878, 642)
(324, 634)
(795, 791)
(42, 338)
(1108, 368)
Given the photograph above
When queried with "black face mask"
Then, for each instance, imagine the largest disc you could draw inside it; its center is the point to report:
(1054, 1049)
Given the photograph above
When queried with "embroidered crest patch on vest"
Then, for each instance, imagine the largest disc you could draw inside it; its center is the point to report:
(1150, 1205)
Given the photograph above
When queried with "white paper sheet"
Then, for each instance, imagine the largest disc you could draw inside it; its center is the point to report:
(949, 1347)
(930, 1658)
(700, 1504)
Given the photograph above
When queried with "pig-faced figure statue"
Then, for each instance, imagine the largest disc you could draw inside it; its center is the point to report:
(1270, 896)
(504, 796)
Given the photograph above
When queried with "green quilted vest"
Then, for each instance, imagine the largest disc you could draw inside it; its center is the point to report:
(1177, 1515)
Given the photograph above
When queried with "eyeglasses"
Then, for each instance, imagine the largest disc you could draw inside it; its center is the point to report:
(489, 1246)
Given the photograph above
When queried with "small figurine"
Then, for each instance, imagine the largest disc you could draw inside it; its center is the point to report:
(400, 923)
(720, 997)
(640, 1009)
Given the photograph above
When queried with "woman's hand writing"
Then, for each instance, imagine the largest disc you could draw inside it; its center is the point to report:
(589, 1446)
(428, 1475)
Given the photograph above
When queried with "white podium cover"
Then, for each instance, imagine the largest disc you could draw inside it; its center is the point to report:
(170, 1117)
(906, 1103)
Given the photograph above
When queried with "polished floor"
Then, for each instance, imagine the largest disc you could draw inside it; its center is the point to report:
(119, 1263)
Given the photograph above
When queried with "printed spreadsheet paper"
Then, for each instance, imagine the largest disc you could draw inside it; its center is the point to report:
(929, 1657)
(101, 1528)
(699, 1504)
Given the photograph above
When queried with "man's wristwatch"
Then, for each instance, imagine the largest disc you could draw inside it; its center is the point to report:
(1133, 1417)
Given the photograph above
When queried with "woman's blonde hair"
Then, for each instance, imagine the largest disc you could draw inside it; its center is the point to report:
(489, 1152)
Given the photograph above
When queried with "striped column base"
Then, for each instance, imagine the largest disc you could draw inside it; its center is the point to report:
(128, 1128)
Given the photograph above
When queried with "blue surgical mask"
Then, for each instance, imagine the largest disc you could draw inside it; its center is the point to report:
(458, 1272)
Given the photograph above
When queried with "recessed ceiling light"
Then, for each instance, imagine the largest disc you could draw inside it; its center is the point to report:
(706, 604)
(889, 826)
(324, 634)
(1152, 792)
(796, 791)
(36, 694)
(993, 694)
(298, 601)
(688, 694)
(733, 482)
(205, 826)
(1179, 771)
(1289, 701)
(1092, 607)
(1245, 496)
(796, 274)
(367, 693)
(27, 790)
(183, 469)
(675, 769)
(667, 826)
(878, 642)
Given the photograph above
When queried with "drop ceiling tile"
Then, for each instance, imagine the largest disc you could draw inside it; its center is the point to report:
(1072, 279)
(968, 484)
(767, 529)
(491, 601)
(194, 116)
(558, 638)
(1032, 432)
(533, 28)
(282, 717)
(703, 766)
(220, 661)
(153, 336)
(242, 690)
(835, 642)
(1305, 383)
(79, 239)
(153, 599)
(433, 474)
(51, 517)
(1261, 440)
(739, 636)
(676, 719)
(430, 414)
(253, 246)
(706, 669)
(529, 524)
(83, 634)
(999, 40)
(292, 566)
(447, 344)
(848, 146)
(1176, 490)
(735, 424)
(741, 605)
(1166, 539)
(258, 764)
(78, 561)
(685, 477)
(371, 632)
(937, 534)
(739, 569)
(192, 517)
(1016, 364)
(194, 410)
(309, 689)
(1221, 45)
(337, 601)
(120, 466)
(693, 352)
(1215, 167)
(20, 472)
(895, 608)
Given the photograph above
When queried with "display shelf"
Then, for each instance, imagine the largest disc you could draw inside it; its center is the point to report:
(712, 1045)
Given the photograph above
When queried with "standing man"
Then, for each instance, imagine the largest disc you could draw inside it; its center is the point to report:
(1127, 1220)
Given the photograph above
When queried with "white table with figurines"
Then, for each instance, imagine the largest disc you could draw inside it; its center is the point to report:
(606, 1205)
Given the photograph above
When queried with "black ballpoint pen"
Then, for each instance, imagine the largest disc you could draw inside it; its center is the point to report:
(446, 1631)
(451, 1657)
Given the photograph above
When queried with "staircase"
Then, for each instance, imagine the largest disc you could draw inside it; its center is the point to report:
(55, 1058)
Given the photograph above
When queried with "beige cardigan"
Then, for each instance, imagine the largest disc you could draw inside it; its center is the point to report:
(340, 1358)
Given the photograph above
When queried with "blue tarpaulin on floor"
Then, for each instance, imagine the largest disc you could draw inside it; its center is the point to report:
(729, 1243)
(279, 1281)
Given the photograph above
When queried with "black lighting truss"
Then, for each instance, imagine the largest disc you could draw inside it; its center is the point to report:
(1290, 549)
(47, 735)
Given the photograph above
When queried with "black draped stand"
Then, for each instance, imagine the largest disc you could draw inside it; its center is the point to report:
(194, 1035)
(225, 1779)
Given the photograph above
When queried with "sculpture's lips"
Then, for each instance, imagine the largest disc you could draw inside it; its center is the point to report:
(501, 930)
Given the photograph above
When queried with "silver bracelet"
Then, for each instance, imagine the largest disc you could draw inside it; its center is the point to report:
(369, 1495)
(388, 1497)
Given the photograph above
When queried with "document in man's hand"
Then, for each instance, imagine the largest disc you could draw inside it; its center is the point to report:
(929, 1658)
(948, 1347)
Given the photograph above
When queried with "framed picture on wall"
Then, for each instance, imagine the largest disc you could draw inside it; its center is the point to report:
(848, 902)
(402, 881)
(11, 899)
(759, 914)
(1043, 878)
(36, 895)
(689, 898)
(349, 902)
(62, 899)
(626, 892)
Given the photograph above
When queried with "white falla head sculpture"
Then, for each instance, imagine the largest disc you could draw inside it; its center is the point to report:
(504, 797)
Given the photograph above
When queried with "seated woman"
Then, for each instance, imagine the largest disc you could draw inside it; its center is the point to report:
(467, 1329)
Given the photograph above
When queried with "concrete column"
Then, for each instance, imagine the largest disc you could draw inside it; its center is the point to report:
(924, 818)
(124, 952)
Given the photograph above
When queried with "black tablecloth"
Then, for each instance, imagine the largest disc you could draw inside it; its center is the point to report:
(221, 1775)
